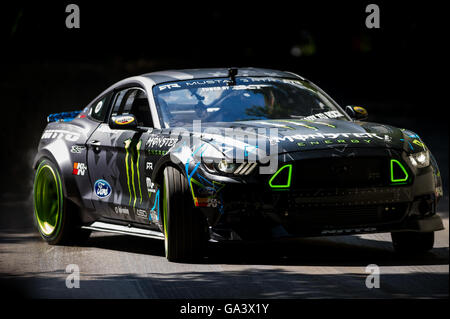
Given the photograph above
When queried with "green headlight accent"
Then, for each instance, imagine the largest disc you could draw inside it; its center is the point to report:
(288, 181)
(47, 199)
(393, 177)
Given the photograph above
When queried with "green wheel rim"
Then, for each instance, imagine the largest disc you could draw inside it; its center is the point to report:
(47, 199)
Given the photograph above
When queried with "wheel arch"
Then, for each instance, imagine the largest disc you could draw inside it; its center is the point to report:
(62, 160)
(165, 161)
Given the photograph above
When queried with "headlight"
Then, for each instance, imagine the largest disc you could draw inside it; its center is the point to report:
(226, 167)
(420, 160)
(223, 166)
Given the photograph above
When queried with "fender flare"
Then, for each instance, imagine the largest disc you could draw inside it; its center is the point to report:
(60, 157)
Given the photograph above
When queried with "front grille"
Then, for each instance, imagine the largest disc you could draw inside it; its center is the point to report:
(340, 172)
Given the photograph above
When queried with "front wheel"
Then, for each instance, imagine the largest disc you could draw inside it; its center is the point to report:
(56, 218)
(412, 242)
(184, 226)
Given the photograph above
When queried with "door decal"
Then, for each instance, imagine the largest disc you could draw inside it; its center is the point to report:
(131, 164)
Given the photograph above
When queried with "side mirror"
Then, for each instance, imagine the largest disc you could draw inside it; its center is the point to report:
(357, 112)
(123, 122)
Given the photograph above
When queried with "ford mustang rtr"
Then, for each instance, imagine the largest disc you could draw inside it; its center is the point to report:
(191, 156)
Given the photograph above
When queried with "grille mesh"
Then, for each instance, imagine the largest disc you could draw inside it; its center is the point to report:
(341, 172)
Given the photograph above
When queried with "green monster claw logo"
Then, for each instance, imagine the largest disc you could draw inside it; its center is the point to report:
(132, 163)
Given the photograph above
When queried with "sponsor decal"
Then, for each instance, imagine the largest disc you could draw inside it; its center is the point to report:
(132, 169)
(169, 86)
(154, 211)
(329, 136)
(149, 165)
(207, 202)
(160, 142)
(325, 115)
(234, 88)
(123, 120)
(222, 84)
(157, 152)
(102, 189)
(340, 141)
(56, 134)
(121, 210)
(141, 213)
(77, 149)
(212, 202)
(150, 185)
(153, 215)
(349, 230)
(79, 168)
(201, 202)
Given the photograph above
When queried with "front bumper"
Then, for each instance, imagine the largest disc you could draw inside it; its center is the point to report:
(251, 210)
(254, 221)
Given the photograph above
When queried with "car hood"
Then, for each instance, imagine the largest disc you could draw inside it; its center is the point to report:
(295, 135)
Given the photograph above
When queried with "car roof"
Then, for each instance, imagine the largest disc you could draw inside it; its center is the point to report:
(189, 74)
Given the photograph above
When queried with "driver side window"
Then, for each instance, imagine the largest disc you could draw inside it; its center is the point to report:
(133, 101)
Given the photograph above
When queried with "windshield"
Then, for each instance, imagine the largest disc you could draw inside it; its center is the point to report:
(251, 98)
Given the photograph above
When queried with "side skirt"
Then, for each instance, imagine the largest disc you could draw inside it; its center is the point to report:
(119, 229)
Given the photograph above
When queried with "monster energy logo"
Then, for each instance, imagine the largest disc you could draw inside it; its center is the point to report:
(132, 164)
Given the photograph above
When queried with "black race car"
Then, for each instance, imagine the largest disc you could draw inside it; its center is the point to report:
(191, 156)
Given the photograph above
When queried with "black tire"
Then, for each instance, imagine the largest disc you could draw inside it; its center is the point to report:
(412, 242)
(65, 225)
(184, 226)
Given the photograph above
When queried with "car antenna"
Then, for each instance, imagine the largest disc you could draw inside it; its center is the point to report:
(232, 72)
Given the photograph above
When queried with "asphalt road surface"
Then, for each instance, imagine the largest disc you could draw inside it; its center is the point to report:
(119, 266)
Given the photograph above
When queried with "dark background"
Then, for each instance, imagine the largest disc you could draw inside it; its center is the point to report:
(47, 68)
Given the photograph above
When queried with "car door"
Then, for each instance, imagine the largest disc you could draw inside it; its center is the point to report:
(116, 160)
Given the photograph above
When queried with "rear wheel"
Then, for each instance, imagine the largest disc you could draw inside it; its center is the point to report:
(56, 218)
(412, 242)
(184, 226)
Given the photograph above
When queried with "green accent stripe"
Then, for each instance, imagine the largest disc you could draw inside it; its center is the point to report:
(321, 123)
(299, 124)
(127, 145)
(134, 160)
(132, 180)
(137, 167)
